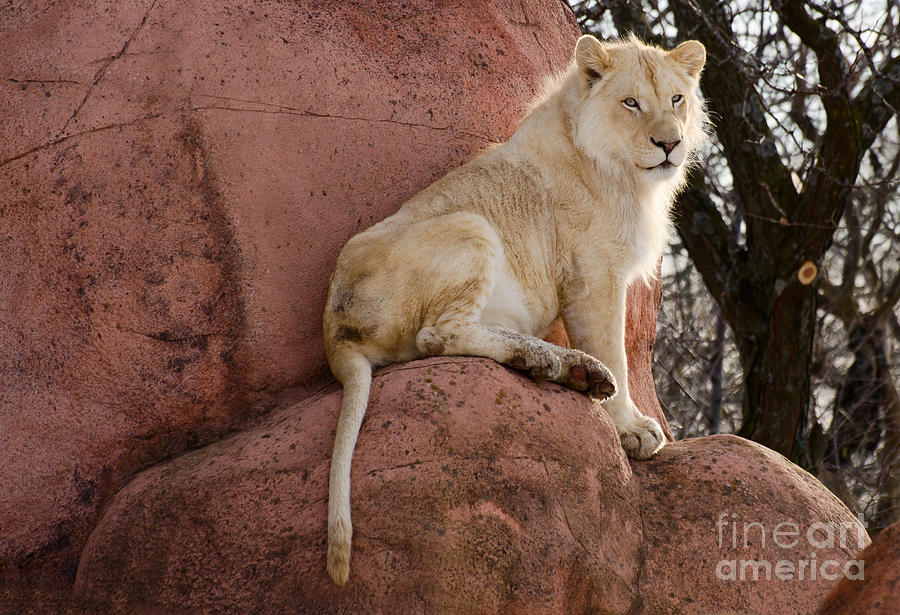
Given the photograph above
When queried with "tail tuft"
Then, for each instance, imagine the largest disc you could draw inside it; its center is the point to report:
(338, 565)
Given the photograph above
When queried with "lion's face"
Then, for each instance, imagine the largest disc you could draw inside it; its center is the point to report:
(639, 107)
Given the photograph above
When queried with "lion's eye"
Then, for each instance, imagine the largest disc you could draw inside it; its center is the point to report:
(631, 103)
(677, 99)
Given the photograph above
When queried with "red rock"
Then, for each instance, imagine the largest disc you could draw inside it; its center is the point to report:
(710, 501)
(176, 180)
(640, 332)
(878, 592)
(475, 491)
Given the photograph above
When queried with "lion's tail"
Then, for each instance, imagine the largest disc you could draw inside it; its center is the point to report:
(354, 371)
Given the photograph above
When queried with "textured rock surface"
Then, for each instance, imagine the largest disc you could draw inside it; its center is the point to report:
(878, 593)
(711, 501)
(176, 179)
(474, 491)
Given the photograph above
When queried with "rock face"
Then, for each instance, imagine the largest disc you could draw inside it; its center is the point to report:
(176, 179)
(474, 490)
(878, 593)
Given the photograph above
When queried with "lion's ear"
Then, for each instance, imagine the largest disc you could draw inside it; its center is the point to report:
(691, 55)
(592, 59)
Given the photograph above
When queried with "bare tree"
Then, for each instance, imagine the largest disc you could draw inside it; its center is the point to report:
(860, 447)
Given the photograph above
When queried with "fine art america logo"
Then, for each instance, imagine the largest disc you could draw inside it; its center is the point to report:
(801, 561)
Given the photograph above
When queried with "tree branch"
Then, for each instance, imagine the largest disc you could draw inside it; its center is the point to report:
(878, 100)
(852, 126)
(629, 16)
(891, 297)
(816, 35)
(761, 180)
(835, 300)
(710, 244)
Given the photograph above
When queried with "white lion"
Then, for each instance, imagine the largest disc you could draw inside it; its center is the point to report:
(556, 222)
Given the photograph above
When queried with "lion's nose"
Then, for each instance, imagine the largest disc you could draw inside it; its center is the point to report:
(667, 146)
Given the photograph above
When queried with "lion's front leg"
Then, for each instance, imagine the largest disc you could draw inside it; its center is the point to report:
(595, 322)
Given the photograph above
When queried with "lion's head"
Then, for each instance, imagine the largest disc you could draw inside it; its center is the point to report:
(637, 106)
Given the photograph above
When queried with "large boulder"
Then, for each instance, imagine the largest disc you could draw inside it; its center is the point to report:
(877, 592)
(176, 179)
(474, 491)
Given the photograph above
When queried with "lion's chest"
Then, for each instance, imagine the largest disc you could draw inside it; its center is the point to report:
(634, 238)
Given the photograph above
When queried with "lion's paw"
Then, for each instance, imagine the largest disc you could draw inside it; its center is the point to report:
(643, 439)
(583, 372)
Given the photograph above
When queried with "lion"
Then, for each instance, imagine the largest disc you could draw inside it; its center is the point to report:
(556, 222)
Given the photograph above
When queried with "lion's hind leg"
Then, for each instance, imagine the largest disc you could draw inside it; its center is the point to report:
(463, 268)
(542, 360)
(453, 321)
